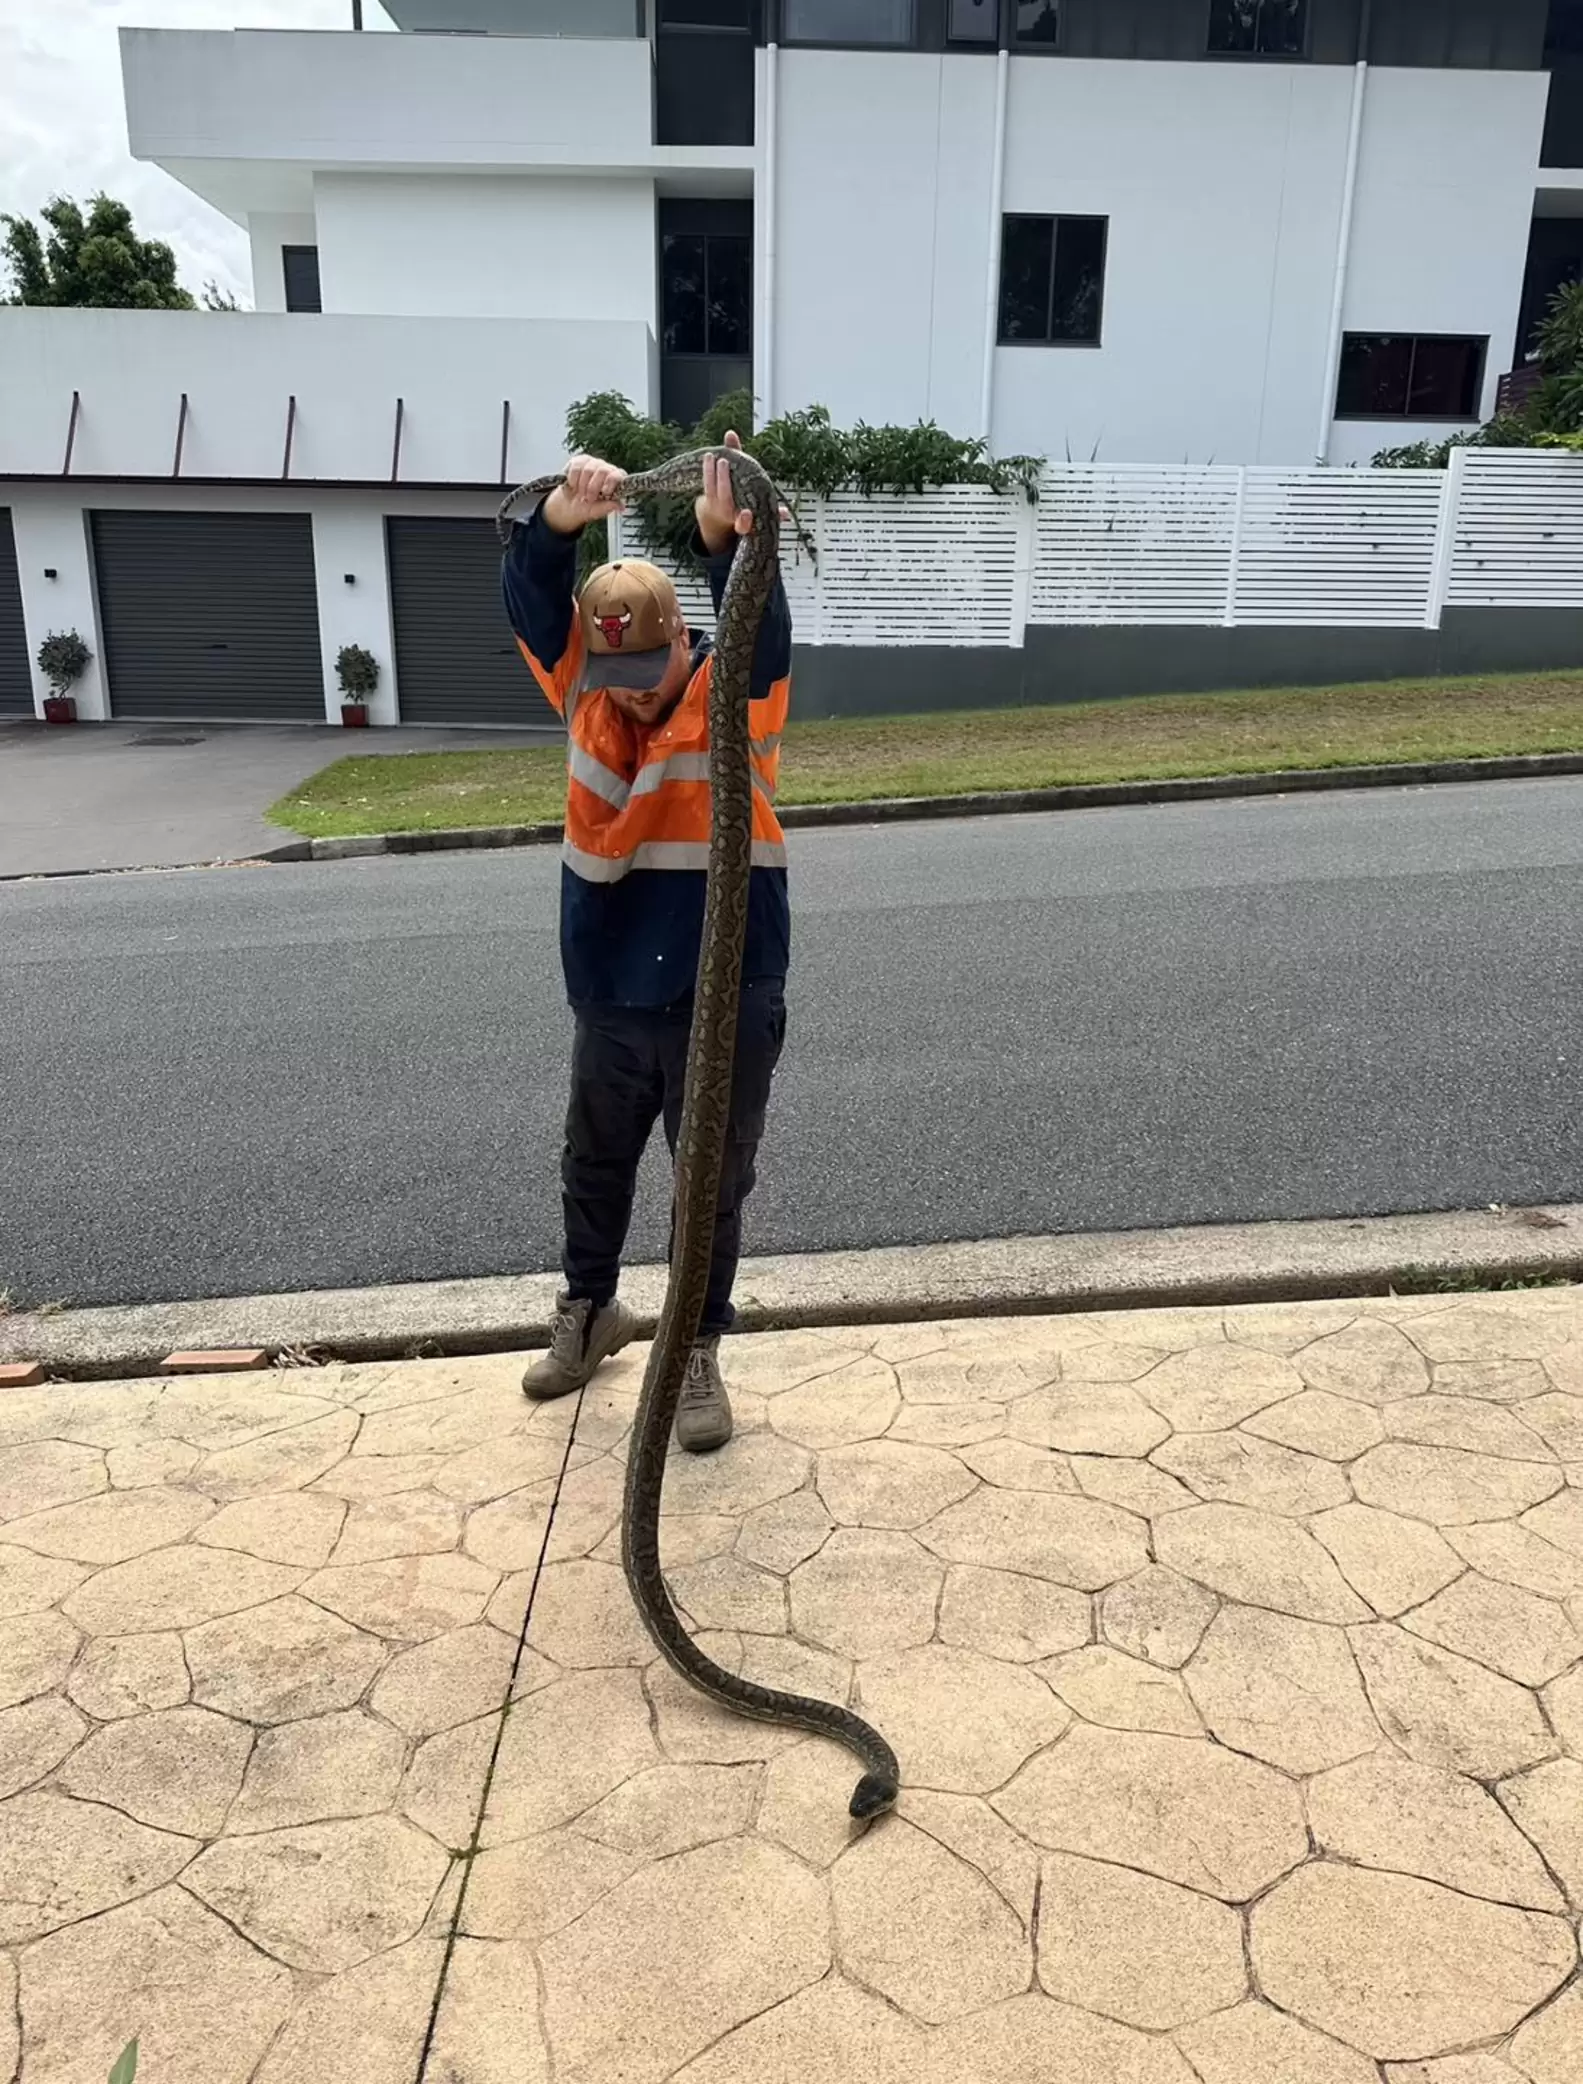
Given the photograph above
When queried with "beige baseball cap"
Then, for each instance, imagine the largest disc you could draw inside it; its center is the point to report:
(631, 617)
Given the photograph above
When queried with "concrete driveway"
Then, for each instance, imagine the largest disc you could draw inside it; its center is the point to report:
(163, 795)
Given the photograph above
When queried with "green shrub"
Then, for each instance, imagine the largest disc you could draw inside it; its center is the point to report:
(804, 452)
(63, 659)
(358, 672)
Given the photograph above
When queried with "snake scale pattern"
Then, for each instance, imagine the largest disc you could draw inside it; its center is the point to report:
(700, 1143)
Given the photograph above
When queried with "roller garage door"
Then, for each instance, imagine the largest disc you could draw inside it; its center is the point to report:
(209, 616)
(16, 684)
(456, 659)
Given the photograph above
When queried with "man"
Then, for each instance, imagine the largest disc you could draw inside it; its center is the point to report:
(620, 665)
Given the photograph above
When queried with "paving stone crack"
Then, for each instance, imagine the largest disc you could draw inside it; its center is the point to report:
(502, 1715)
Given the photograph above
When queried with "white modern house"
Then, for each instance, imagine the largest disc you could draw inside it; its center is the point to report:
(1270, 233)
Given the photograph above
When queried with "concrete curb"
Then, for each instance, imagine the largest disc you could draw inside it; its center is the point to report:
(999, 803)
(889, 810)
(1222, 1263)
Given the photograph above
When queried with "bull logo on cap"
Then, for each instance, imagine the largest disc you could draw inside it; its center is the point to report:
(613, 627)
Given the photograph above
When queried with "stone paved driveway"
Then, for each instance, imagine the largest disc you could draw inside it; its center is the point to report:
(1235, 1661)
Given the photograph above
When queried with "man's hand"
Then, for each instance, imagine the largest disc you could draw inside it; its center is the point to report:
(591, 492)
(718, 516)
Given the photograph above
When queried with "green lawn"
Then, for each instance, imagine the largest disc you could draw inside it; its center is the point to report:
(969, 751)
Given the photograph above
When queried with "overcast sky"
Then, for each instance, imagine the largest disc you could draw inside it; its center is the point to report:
(63, 126)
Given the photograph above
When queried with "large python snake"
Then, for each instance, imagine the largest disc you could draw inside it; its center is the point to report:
(700, 1142)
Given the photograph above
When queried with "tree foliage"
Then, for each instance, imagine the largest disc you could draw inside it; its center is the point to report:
(804, 452)
(93, 259)
(1551, 417)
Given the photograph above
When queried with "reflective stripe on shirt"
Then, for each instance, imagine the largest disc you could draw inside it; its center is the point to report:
(684, 854)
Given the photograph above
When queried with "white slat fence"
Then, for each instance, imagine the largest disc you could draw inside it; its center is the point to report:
(1334, 547)
(1118, 545)
(1517, 535)
(1137, 545)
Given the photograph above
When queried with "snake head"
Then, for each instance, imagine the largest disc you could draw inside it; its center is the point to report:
(872, 1796)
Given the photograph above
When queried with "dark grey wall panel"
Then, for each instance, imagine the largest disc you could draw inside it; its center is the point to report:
(1091, 665)
(1511, 640)
(1493, 33)
(1505, 35)
(209, 615)
(16, 682)
(854, 680)
(456, 659)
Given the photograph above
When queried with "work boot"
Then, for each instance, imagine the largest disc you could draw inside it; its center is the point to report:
(580, 1338)
(703, 1414)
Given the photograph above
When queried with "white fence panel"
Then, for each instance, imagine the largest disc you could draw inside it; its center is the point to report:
(1136, 545)
(1518, 531)
(692, 589)
(1337, 547)
(937, 568)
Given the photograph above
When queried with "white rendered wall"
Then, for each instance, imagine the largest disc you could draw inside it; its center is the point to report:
(239, 369)
(349, 538)
(529, 246)
(51, 530)
(337, 98)
(268, 231)
(1446, 183)
(882, 216)
(1223, 187)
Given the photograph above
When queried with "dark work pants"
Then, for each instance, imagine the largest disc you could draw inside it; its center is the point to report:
(628, 1065)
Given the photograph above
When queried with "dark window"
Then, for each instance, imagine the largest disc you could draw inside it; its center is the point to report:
(1052, 279)
(706, 293)
(1038, 21)
(299, 265)
(974, 21)
(1405, 376)
(706, 14)
(703, 72)
(849, 21)
(1564, 31)
(1258, 28)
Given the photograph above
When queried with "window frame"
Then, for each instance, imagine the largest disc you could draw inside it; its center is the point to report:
(991, 42)
(1055, 219)
(1027, 46)
(290, 249)
(1409, 418)
(914, 40)
(1258, 57)
(706, 353)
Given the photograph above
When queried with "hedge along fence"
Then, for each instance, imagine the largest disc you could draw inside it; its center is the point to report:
(808, 457)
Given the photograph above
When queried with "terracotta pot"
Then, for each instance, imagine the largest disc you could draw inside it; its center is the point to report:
(60, 709)
(355, 715)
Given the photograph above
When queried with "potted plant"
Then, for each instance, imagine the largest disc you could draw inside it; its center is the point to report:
(62, 659)
(358, 672)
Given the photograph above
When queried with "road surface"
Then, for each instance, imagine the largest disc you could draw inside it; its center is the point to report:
(227, 1081)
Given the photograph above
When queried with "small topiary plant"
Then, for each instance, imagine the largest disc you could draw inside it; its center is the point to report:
(63, 659)
(358, 672)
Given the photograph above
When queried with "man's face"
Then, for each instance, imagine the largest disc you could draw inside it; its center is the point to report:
(650, 706)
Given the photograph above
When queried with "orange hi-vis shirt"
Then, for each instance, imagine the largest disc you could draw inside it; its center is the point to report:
(636, 845)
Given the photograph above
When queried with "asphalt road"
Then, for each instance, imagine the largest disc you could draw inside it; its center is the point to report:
(236, 1080)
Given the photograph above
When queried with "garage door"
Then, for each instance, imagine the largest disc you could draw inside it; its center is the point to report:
(209, 615)
(456, 659)
(16, 684)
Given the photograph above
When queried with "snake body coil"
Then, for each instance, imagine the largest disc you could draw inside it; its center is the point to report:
(700, 1142)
